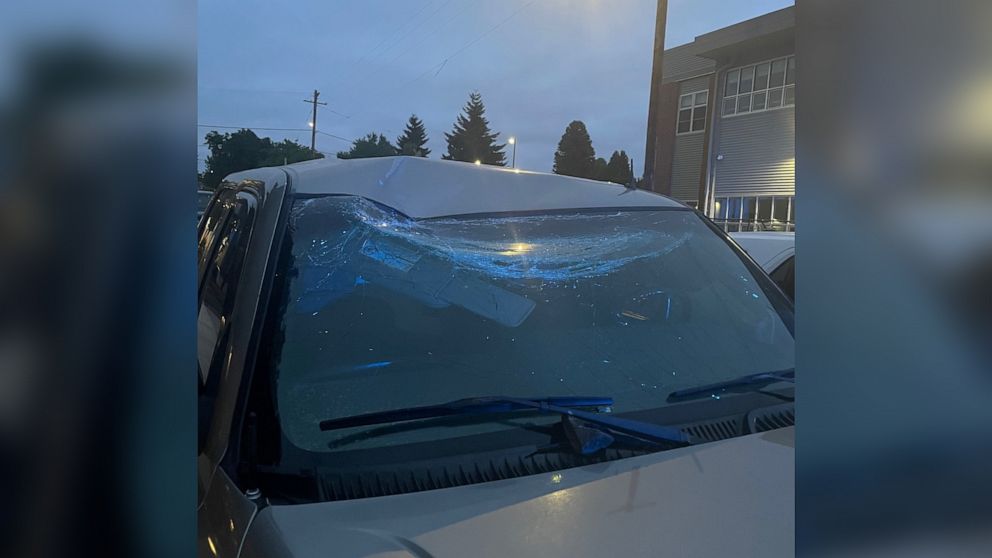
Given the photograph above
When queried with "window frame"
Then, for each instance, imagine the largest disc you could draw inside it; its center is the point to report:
(751, 94)
(739, 223)
(784, 276)
(235, 201)
(692, 111)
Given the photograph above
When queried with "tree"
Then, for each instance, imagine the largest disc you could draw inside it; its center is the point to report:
(599, 169)
(414, 139)
(286, 152)
(575, 155)
(471, 140)
(618, 169)
(243, 150)
(372, 145)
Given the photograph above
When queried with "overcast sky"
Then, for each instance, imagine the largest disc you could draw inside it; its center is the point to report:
(538, 64)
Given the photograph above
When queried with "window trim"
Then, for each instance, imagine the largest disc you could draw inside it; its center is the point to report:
(692, 112)
(206, 394)
(766, 90)
(739, 223)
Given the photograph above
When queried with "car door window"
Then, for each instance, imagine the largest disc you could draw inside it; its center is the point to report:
(784, 276)
(211, 226)
(221, 275)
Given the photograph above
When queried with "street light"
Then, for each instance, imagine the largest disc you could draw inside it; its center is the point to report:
(513, 142)
(478, 162)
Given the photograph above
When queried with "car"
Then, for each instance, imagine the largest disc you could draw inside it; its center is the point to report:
(411, 357)
(775, 252)
(203, 198)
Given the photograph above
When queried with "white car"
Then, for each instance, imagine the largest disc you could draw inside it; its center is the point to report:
(410, 357)
(775, 252)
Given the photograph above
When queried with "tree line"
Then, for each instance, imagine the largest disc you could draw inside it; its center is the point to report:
(471, 140)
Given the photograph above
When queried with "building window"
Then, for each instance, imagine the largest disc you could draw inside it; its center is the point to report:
(754, 213)
(764, 86)
(692, 112)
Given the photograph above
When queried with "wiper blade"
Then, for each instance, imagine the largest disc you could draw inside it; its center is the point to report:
(750, 382)
(499, 404)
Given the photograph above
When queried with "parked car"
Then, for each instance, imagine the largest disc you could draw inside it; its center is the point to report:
(202, 200)
(775, 252)
(415, 357)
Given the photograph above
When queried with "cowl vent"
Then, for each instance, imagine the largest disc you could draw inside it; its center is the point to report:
(713, 430)
(473, 469)
(337, 484)
(770, 418)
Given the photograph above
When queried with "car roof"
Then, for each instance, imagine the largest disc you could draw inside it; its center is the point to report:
(425, 188)
(767, 248)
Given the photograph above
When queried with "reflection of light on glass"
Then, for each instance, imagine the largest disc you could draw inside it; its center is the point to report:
(231, 524)
(213, 548)
(517, 248)
(635, 315)
(556, 478)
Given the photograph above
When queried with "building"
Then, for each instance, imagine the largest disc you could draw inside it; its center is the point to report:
(721, 135)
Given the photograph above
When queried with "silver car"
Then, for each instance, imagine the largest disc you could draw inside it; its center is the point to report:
(407, 357)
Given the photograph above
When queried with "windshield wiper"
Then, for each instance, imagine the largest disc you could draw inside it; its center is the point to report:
(750, 382)
(499, 404)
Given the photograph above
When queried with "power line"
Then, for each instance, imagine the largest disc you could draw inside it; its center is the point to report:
(491, 29)
(273, 91)
(333, 136)
(272, 129)
(364, 78)
(391, 34)
(436, 68)
(444, 25)
(252, 128)
(252, 90)
(411, 30)
(415, 27)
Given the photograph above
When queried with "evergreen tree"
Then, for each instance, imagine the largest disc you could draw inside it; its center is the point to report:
(599, 169)
(414, 139)
(618, 169)
(372, 145)
(471, 140)
(575, 155)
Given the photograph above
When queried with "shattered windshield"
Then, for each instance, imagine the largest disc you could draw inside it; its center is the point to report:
(383, 312)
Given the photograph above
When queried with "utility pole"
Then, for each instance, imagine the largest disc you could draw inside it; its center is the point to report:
(313, 121)
(651, 145)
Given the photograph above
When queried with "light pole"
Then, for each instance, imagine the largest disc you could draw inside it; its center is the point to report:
(513, 142)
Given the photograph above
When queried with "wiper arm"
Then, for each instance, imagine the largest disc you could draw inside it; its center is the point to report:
(500, 404)
(750, 382)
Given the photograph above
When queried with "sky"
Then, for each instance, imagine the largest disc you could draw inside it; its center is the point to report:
(539, 64)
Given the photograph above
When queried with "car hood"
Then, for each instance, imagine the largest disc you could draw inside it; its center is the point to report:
(729, 498)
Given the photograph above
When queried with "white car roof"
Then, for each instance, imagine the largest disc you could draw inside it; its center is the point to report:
(768, 249)
(424, 188)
